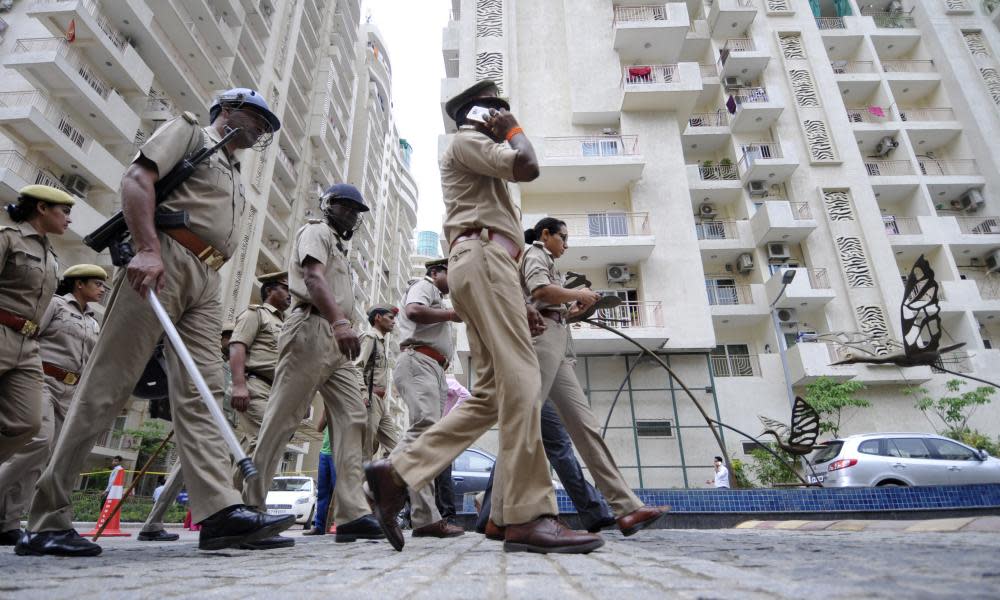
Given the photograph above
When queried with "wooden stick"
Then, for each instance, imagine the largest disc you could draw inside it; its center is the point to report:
(135, 482)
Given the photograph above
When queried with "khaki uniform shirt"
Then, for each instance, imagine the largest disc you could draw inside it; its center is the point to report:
(317, 240)
(29, 271)
(538, 269)
(474, 175)
(258, 328)
(373, 340)
(213, 195)
(436, 335)
(66, 335)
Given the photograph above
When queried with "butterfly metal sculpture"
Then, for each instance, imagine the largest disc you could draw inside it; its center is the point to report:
(799, 438)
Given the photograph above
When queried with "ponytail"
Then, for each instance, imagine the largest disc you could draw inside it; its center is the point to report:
(24, 209)
(550, 224)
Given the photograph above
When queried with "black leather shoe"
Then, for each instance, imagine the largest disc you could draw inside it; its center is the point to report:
(365, 528)
(269, 543)
(387, 498)
(55, 543)
(157, 536)
(9, 538)
(601, 524)
(240, 524)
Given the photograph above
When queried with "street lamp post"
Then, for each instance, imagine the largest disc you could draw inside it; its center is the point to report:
(786, 278)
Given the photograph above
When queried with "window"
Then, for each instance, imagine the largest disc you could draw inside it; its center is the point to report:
(948, 450)
(732, 360)
(869, 447)
(829, 452)
(909, 448)
(473, 461)
(654, 428)
(749, 447)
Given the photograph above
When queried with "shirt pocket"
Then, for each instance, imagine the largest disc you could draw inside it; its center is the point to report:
(27, 267)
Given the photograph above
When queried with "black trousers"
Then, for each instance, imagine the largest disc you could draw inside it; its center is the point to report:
(444, 494)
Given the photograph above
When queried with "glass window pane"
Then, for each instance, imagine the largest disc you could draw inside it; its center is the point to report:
(947, 450)
(868, 447)
(911, 448)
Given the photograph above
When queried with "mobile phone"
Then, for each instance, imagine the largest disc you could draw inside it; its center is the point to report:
(478, 114)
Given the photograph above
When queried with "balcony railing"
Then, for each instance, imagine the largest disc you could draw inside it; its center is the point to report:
(843, 67)
(948, 167)
(736, 365)
(52, 113)
(592, 146)
(728, 295)
(825, 23)
(719, 118)
(72, 56)
(979, 225)
(16, 163)
(631, 314)
(900, 225)
(819, 279)
(989, 288)
(887, 20)
(749, 95)
(801, 211)
(908, 66)
(739, 45)
(754, 152)
(610, 224)
(718, 172)
(717, 230)
(882, 168)
(711, 70)
(634, 14)
(865, 115)
(926, 114)
(159, 103)
(650, 75)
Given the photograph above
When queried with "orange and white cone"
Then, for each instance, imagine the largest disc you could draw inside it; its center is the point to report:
(113, 528)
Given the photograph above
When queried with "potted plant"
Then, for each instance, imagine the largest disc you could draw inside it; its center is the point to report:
(726, 169)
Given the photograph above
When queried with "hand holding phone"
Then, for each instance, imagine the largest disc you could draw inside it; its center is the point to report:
(478, 114)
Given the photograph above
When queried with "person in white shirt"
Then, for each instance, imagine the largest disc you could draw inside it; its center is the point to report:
(160, 484)
(721, 474)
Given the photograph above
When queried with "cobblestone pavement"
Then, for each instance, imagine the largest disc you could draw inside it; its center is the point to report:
(732, 563)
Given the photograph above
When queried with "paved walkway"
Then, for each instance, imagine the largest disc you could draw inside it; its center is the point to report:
(734, 563)
(966, 524)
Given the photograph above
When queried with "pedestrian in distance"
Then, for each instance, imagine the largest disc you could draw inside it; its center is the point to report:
(381, 432)
(721, 479)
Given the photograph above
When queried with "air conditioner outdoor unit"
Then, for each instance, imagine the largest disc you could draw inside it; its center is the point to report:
(885, 146)
(787, 316)
(757, 189)
(76, 185)
(993, 261)
(778, 251)
(972, 201)
(618, 274)
(744, 264)
(732, 82)
(707, 211)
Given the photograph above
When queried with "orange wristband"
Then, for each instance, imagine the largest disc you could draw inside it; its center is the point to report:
(513, 132)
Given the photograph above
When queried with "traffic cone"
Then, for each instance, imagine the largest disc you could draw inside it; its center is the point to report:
(333, 528)
(114, 497)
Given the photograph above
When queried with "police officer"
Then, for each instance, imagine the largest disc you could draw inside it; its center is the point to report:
(66, 335)
(253, 356)
(483, 228)
(426, 343)
(28, 275)
(180, 264)
(317, 349)
(373, 361)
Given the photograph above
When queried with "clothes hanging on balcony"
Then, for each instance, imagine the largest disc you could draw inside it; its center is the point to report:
(816, 10)
(877, 111)
(731, 105)
(641, 73)
(723, 55)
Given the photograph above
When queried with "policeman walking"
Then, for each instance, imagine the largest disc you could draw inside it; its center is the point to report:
(28, 275)
(373, 361)
(180, 264)
(66, 335)
(317, 349)
(426, 343)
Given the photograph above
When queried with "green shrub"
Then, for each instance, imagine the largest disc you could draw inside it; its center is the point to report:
(87, 507)
(768, 470)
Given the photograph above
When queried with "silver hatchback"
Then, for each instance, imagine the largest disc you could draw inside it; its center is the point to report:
(901, 459)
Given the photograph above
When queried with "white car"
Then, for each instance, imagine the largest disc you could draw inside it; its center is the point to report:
(293, 496)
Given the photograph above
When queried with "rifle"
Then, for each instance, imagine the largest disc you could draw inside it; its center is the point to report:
(114, 234)
(370, 370)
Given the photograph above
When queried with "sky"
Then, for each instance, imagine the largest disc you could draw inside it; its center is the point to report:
(412, 33)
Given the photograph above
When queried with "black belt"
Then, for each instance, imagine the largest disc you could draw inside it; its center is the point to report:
(263, 378)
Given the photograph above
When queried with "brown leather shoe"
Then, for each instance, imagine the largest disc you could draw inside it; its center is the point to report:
(547, 535)
(639, 519)
(439, 529)
(388, 499)
(494, 532)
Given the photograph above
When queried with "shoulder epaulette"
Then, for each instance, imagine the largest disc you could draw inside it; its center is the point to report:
(190, 117)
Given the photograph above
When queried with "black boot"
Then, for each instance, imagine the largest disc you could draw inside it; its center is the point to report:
(365, 528)
(159, 535)
(240, 524)
(55, 543)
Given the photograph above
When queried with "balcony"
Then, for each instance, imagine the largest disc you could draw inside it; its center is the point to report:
(603, 163)
(948, 168)
(41, 123)
(808, 361)
(739, 57)
(661, 87)
(908, 66)
(756, 109)
(890, 20)
(736, 365)
(714, 183)
(888, 170)
(782, 221)
(260, 16)
(211, 26)
(765, 162)
(855, 70)
(981, 226)
(642, 321)
(925, 115)
(869, 115)
(737, 304)
(52, 64)
(810, 289)
(727, 17)
(725, 239)
(650, 32)
(707, 131)
(878, 374)
(98, 38)
(605, 238)
(830, 23)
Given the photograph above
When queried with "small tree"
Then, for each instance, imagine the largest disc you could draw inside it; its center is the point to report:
(830, 399)
(953, 411)
(768, 470)
(148, 438)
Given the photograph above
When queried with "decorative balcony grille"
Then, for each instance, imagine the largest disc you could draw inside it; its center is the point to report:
(717, 230)
(900, 225)
(718, 172)
(633, 14)
(801, 210)
(826, 23)
(719, 118)
(736, 365)
(749, 95)
(979, 225)
(650, 75)
(882, 168)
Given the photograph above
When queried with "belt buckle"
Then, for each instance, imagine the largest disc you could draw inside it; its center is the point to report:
(29, 328)
(212, 258)
(70, 379)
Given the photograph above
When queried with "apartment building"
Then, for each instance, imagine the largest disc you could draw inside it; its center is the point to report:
(87, 81)
(698, 151)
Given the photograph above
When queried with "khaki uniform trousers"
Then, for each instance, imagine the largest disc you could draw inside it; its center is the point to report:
(309, 360)
(20, 391)
(486, 293)
(422, 385)
(128, 336)
(20, 473)
(248, 422)
(561, 386)
(380, 430)
(171, 489)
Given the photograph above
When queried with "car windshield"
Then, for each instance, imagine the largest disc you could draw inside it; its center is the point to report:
(290, 485)
(830, 452)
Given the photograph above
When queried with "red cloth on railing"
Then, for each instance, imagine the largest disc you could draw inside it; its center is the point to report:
(643, 72)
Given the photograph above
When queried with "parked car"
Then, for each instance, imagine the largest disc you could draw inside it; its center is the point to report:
(901, 459)
(292, 496)
(471, 472)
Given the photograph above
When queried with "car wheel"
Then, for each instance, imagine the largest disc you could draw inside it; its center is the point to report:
(891, 484)
(309, 521)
